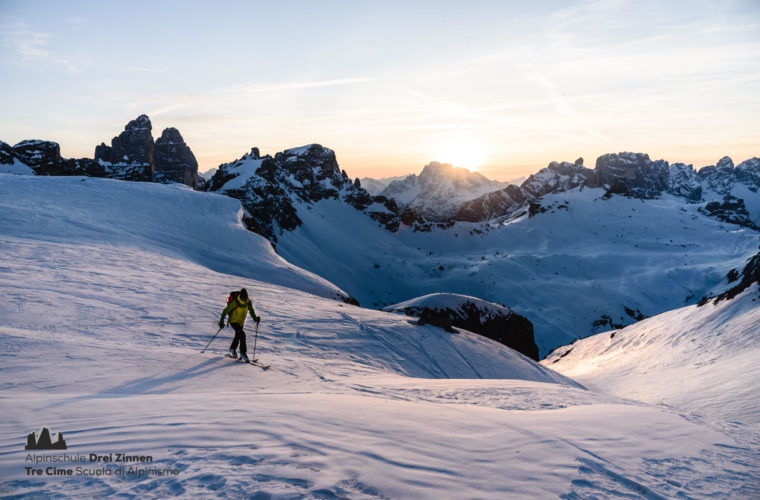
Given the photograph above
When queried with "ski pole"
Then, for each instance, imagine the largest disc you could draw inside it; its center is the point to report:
(212, 338)
(255, 338)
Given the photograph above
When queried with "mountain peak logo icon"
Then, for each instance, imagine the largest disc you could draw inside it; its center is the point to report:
(44, 441)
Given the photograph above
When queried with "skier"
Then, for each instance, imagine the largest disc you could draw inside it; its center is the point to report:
(238, 310)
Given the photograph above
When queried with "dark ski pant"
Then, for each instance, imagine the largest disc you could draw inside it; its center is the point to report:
(239, 338)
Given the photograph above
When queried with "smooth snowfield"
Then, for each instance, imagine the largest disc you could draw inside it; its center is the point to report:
(700, 359)
(201, 228)
(100, 339)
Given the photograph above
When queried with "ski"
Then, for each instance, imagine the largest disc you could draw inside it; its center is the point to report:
(254, 362)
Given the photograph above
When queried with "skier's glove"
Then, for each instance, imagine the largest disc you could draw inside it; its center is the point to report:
(258, 318)
(221, 324)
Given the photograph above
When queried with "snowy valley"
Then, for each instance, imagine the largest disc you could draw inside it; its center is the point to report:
(112, 288)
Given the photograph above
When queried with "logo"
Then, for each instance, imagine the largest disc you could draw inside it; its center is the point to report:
(44, 442)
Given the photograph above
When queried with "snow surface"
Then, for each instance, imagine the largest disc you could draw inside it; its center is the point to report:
(244, 170)
(102, 323)
(564, 269)
(17, 167)
(699, 359)
(199, 227)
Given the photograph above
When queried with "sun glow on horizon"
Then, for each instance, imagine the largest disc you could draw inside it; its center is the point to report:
(461, 152)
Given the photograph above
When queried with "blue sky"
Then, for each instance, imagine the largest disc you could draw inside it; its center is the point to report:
(502, 87)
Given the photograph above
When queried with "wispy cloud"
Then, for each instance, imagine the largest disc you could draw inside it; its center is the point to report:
(236, 93)
(28, 46)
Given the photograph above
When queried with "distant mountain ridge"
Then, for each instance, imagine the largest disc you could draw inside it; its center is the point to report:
(629, 174)
(438, 191)
(132, 156)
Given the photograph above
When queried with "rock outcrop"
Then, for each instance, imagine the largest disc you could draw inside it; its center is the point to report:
(130, 155)
(749, 276)
(731, 210)
(43, 156)
(173, 160)
(490, 320)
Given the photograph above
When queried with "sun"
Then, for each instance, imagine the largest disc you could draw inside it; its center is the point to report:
(461, 152)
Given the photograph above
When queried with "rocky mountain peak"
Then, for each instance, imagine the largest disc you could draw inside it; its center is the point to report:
(438, 169)
(725, 163)
(272, 189)
(439, 189)
(132, 150)
(557, 176)
(174, 161)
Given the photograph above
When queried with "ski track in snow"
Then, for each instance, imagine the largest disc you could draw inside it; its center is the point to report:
(101, 341)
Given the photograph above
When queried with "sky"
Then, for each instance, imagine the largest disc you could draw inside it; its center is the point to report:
(500, 87)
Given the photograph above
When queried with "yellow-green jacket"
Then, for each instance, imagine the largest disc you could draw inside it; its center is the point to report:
(238, 311)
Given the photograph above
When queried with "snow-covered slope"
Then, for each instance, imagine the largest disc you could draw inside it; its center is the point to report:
(100, 333)
(578, 267)
(181, 223)
(702, 359)
(439, 190)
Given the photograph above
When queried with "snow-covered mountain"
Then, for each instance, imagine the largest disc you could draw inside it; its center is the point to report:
(731, 193)
(376, 186)
(439, 190)
(111, 288)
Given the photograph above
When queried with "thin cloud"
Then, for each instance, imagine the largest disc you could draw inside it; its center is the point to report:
(26, 46)
(240, 92)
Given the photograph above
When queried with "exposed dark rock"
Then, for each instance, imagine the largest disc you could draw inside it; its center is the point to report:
(557, 177)
(496, 322)
(643, 177)
(748, 172)
(750, 275)
(130, 156)
(683, 181)
(174, 162)
(606, 321)
(619, 188)
(492, 205)
(43, 156)
(720, 179)
(731, 210)
(7, 155)
(732, 275)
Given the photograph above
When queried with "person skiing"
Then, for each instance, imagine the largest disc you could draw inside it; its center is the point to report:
(238, 310)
